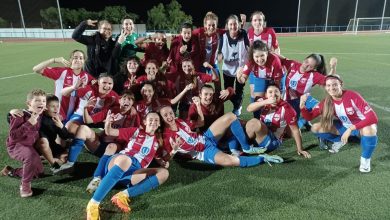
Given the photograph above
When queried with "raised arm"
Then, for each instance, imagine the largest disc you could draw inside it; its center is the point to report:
(39, 68)
(78, 32)
(254, 106)
(182, 93)
(108, 128)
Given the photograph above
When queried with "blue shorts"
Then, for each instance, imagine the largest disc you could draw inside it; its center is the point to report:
(210, 147)
(260, 84)
(251, 78)
(310, 104)
(126, 178)
(208, 70)
(270, 142)
(76, 118)
(341, 129)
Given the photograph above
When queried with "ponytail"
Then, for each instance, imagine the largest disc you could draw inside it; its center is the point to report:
(327, 114)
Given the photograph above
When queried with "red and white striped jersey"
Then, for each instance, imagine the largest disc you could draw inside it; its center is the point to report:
(192, 143)
(298, 83)
(140, 145)
(352, 109)
(268, 36)
(271, 70)
(65, 77)
(277, 118)
(105, 102)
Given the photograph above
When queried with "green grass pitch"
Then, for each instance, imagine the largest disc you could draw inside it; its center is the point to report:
(323, 187)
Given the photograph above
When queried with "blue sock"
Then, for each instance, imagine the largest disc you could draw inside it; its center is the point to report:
(144, 186)
(107, 183)
(368, 144)
(75, 149)
(250, 161)
(232, 143)
(301, 122)
(329, 136)
(252, 99)
(239, 133)
(99, 171)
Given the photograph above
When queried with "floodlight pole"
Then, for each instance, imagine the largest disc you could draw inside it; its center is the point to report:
(59, 14)
(354, 17)
(383, 13)
(22, 18)
(327, 13)
(299, 8)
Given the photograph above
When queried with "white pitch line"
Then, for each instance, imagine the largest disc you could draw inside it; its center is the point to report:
(15, 76)
(387, 109)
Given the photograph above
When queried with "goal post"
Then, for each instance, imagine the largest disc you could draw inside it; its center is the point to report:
(368, 24)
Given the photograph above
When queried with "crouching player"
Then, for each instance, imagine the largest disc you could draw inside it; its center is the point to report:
(353, 116)
(277, 119)
(129, 166)
(125, 116)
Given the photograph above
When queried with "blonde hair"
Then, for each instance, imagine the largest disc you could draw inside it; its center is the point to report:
(327, 113)
(259, 13)
(35, 92)
(210, 16)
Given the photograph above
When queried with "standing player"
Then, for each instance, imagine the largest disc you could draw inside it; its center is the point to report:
(277, 120)
(129, 167)
(264, 65)
(156, 49)
(353, 117)
(232, 52)
(72, 75)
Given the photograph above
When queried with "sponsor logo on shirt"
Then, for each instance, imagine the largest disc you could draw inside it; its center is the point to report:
(145, 151)
(367, 109)
(293, 83)
(277, 117)
(344, 118)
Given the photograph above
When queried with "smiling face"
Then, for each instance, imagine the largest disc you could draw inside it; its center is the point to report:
(186, 34)
(309, 64)
(334, 87)
(53, 108)
(160, 40)
(257, 21)
(168, 115)
(147, 92)
(77, 60)
(232, 26)
(105, 30)
(151, 71)
(206, 96)
(105, 85)
(210, 26)
(132, 66)
(188, 67)
(152, 122)
(37, 104)
(128, 26)
(260, 57)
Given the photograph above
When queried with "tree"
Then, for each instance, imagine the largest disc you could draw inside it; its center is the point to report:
(176, 16)
(157, 18)
(167, 17)
(3, 23)
(50, 16)
(115, 14)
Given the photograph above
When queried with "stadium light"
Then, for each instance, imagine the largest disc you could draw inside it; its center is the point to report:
(383, 14)
(299, 9)
(22, 18)
(326, 19)
(59, 14)
(354, 17)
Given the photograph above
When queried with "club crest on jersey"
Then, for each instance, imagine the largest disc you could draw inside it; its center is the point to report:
(190, 140)
(277, 117)
(145, 150)
(367, 109)
(350, 111)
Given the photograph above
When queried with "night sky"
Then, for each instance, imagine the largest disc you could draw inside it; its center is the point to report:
(279, 13)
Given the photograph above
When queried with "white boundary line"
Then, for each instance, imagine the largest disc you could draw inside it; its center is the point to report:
(15, 76)
(387, 109)
(329, 53)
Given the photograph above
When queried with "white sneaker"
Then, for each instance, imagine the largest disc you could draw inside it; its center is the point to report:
(65, 168)
(93, 185)
(336, 146)
(237, 112)
(271, 159)
(255, 150)
(235, 152)
(365, 165)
